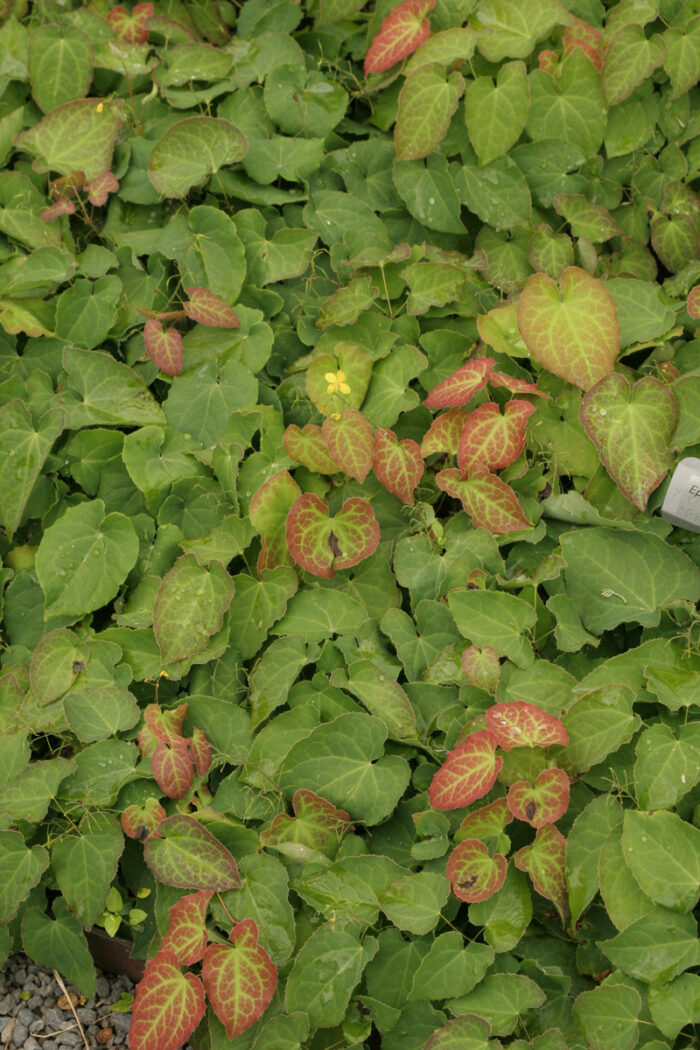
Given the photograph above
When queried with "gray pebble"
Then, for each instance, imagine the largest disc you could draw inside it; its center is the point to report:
(25, 1015)
(36, 1002)
(54, 1019)
(70, 1039)
(86, 1015)
(31, 1044)
(49, 1044)
(6, 1003)
(37, 1025)
(20, 1034)
(121, 1023)
(20, 975)
(103, 987)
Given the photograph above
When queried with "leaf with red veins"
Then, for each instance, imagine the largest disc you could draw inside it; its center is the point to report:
(459, 388)
(186, 855)
(268, 512)
(209, 309)
(487, 822)
(482, 667)
(173, 769)
(54, 211)
(403, 30)
(544, 803)
(491, 441)
(239, 979)
(168, 1006)
(349, 441)
(307, 447)
(321, 544)
(166, 725)
(398, 465)
(133, 28)
(545, 863)
(445, 432)
(316, 825)
(491, 504)
(515, 385)
(520, 724)
(473, 875)
(138, 822)
(467, 774)
(99, 188)
(67, 185)
(200, 749)
(587, 37)
(187, 935)
(693, 305)
(164, 347)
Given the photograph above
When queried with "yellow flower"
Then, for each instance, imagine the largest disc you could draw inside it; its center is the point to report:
(336, 383)
(99, 107)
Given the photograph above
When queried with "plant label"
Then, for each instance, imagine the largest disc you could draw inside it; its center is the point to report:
(681, 505)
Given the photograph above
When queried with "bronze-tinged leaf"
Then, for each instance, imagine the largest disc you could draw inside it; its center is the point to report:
(138, 822)
(164, 347)
(348, 438)
(490, 440)
(521, 724)
(403, 30)
(545, 863)
(467, 774)
(132, 28)
(398, 465)
(459, 388)
(209, 309)
(168, 1005)
(543, 803)
(491, 504)
(173, 769)
(444, 432)
(269, 508)
(306, 446)
(474, 875)
(186, 936)
(188, 856)
(486, 822)
(482, 667)
(240, 979)
(321, 544)
(316, 825)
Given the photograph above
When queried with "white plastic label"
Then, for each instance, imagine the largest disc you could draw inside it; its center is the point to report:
(682, 503)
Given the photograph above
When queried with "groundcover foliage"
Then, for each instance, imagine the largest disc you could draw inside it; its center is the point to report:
(346, 351)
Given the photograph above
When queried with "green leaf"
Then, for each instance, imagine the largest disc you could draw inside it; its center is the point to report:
(585, 218)
(317, 613)
(663, 853)
(264, 898)
(612, 1008)
(496, 113)
(101, 770)
(618, 577)
(494, 618)
(597, 724)
(624, 900)
(584, 845)
(667, 766)
(85, 864)
(676, 1004)
(656, 948)
(389, 393)
(428, 191)
(191, 150)
(427, 101)
(59, 944)
(319, 104)
(190, 857)
(450, 969)
(97, 713)
(259, 604)
(682, 61)
(414, 902)
(83, 558)
(76, 136)
(60, 65)
(29, 795)
(346, 305)
(497, 192)
(570, 106)
(342, 761)
(418, 644)
(500, 999)
(20, 870)
(102, 390)
(325, 972)
(642, 310)
(24, 447)
(86, 312)
(274, 674)
(632, 427)
(383, 697)
(630, 57)
(189, 607)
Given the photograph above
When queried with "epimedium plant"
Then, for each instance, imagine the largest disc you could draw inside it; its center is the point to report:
(346, 352)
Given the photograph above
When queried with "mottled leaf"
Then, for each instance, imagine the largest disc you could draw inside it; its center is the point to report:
(542, 803)
(239, 980)
(473, 874)
(168, 1005)
(188, 856)
(401, 32)
(467, 774)
(164, 347)
(322, 544)
(209, 309)
(544, 861)
(398, 465)
(491, 440)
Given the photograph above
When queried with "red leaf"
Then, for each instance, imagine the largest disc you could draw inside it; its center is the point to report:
(321, 544)
(307, 447)
(168, 1006)
(487, 822)
(138, 822)
(491, 441)
(185, 855)
(131, 27)
(164, 347)
(544, 803)
(187, 936)
(173, 769)
(100, 188)
(520, 724)
(54, 211)
(67, 185)
(459, 388)
(398, 465)
(200, 749)
(693, 306)
(317, 825)
(445, 432)
(587, 37)
(515, 385)
(491, 504)
(209, 309)
(482, 667)
(240, 980)
(402, 31)
(545, 863)
(349, 441)
(268, 512)
(166, 725)
(467, 774)
(473, 874)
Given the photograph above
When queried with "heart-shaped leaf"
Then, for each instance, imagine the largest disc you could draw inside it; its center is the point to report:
(348, 438)
(173, 769)
(168, 1005)
(76, 136)
(402, 31)
(190, 151)
(138, 822)
(268, 512)
(333, 395)
(189, 607)
(132, 28)
(487, 822)
(321, 544)
(459, 388)
(346, 305)
(468, 1032)
(473, 874)
(316, 825)
(632, 428)
(444, 432)
(307, 447)
(482, 667)
(571, 330)
(186, 936)
(630, 58)
(521, 724)
(189, 857)
(544, 803)
(491, 504)
(164, 347)
(99, 189)
(490, 441)
(398, 465)
(467, 774)
(209, 309)
(580, 34)
(427, 102)
(163, 725)
(240, 980)
(545, 863)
